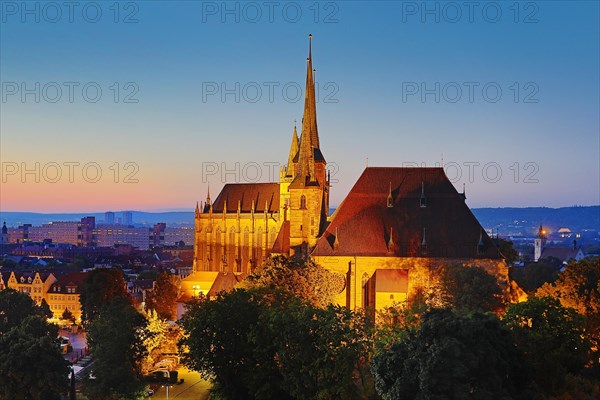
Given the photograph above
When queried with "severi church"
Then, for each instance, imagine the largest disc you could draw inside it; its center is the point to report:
(394, 228)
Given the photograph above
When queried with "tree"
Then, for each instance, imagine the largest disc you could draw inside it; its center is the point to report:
(67, 315)
(452, 357)
(578, 287)
(32, 366)
(45, 309)
(265, 343)
(15, 307)
(115, 338)
(533, 275)
(99, 288)
(8, 263)
(303, 278)
(468, 289)
(161, 338)
(552, 338)
(163, 298)
(507, 250)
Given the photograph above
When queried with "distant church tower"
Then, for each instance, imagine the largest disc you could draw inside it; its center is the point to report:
(4, 237)
(540, 243)
(309, 188)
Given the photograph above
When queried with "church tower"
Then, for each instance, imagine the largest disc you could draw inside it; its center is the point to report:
(540, 243)
(309, 189)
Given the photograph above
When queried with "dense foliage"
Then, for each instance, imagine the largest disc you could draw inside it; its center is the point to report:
(452, 356)
(115, 338)
(268, 344)
(467, 289)
(578, 287)
(99, 288)
(303, 278)
(552, 338)
(163, 298)
(32, 366)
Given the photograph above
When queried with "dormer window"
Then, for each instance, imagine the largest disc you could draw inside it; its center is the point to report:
(390, 198)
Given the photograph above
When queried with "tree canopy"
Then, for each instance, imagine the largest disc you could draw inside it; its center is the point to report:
(32, 366)
(115, 338)
(303, 278)
(578, 287)
(262, 343)
(163, 298)
(552, 338)
(452, 356)
(467, 288)
(99, 288)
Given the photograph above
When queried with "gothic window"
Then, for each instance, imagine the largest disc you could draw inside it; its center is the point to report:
(218, 253)
(303, 202)
(259, 244)
(231, 255)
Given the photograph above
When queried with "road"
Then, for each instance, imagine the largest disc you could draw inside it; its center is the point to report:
(193, 388)
(79, 343)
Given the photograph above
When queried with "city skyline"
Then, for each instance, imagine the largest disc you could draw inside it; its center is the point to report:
(202, 100)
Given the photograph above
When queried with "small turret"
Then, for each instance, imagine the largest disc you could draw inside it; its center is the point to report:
(422, 200)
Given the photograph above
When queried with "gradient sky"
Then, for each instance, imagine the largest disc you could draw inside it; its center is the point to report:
(367, 55)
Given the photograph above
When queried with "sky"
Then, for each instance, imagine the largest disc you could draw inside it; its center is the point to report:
(145, 104)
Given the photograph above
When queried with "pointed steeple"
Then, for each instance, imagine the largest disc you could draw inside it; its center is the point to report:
(390, 198)
(391, 243)
(310, 136)
(293, 151)
(197, 209)
(208, 194)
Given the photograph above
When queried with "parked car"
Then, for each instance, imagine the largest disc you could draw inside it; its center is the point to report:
(158, 375)
(168, 364)
(65, 344)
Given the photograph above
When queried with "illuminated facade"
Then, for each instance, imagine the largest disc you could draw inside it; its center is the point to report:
(248, 222)
(395, 228)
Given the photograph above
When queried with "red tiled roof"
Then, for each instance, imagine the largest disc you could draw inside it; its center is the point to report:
(245, 193)
(364, 221)
(562, 253)
(71, 279)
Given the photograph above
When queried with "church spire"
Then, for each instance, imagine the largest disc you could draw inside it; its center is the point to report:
(293, 152)
(309, 141)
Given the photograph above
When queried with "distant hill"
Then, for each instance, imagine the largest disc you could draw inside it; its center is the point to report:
(508, 220)
(139, 217)
(527, 220)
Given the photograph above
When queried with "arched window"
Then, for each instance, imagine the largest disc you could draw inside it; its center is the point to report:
(231, 249)
(218, 259)
(303, 202)
(259, 244)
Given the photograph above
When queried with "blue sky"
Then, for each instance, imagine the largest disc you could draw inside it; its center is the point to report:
(373, 61)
